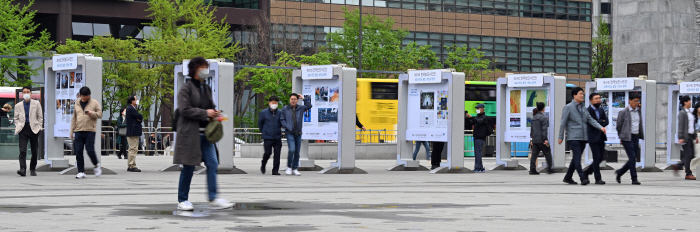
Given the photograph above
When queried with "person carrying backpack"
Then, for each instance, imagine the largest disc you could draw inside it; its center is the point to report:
(482, 129)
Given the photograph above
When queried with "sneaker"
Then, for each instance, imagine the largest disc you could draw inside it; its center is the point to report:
(288, 171)
(296, 172)
(80, 176)
(185, 205)
(98, 170)
(219, 203)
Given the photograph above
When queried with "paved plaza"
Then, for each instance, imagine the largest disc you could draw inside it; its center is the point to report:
(378, 201)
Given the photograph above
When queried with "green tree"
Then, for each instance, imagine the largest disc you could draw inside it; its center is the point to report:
(381, 45)
(271, 82)
(16, 29)
(602, 51)
(119, 80)
(469, 61)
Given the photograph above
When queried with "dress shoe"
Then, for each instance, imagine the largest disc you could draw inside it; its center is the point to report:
(690, 177)
(275, 173)
(635, 182)
(570, 181)
(599, 182)
(585, 182)
(617, 177)
(262, 169)
(550, 171)
(135, 170)
(534, 173)
(32, 172)
(22, 172)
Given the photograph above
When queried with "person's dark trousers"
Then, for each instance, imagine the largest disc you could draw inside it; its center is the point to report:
(436, 154)
(597, 149)
(576, 147)
(631, 148)
(26, 134)
(122, 148)
(687, 154)
(269, 144)
(478, 153)
(536, 148)
(84, 140)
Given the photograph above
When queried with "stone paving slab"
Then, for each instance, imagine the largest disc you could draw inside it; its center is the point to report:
(378, 201)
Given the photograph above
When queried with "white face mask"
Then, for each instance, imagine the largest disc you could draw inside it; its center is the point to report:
(478, 111)
(137, 102)
(203, 73)
(273, 106)
(27, 96)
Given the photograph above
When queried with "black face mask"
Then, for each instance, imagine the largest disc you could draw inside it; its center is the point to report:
(597, 105)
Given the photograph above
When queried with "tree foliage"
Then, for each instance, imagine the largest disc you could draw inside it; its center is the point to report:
(16, 39)
(469, 61)
(602, 51)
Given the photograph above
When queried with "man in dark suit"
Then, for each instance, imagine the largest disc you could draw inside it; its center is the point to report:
(596, 138)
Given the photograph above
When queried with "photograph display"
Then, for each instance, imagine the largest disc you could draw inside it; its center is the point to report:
(68, 84)
(428, 112)
(321, 121)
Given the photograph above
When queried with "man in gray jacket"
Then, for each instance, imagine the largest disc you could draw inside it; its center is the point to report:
(573, 120)
(538, 133)
(292, 119)
(686, 135)
(630, 130)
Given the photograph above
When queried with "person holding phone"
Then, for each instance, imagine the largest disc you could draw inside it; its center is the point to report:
(133, 131)
(83, 126)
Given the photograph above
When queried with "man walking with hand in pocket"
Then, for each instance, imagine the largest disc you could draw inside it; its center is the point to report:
(29, 119)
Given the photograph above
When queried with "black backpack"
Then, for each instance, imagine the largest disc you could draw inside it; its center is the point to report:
(175, 117)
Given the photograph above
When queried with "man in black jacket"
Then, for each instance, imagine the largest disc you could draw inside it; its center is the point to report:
(596, 138)
(270, 127)
(482, 129)
(133, 131)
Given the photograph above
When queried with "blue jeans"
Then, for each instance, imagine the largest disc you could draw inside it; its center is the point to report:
(84, 140)
(576, 147)
(209, 157)
(426, 144)
(293, 143)
(631, 148)
(478, 153)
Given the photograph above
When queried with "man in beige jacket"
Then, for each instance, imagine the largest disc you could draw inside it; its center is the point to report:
(28, 120)
(84, 124)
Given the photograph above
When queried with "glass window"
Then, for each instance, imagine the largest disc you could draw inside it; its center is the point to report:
(585, 44)
(573, 4)
(487, 4)
(421, 6)
(450, 8)
(393, 4)
(462, 38)
(512, 40)
(526, 14)
(585, 65)
(500, 5)
(512, 61)
(487, 39)
(548, 63)
(584, 71)
(536, 8)
(561, 9)
(84, 29)
(549, 9)
(605, 8)
(421, 42)
(409, 6)
(488, 53)
(436, 1)
(338, 1)
(549, 2)
(500, 40)
(537, 42)
(549, 56)
(500, 47)
(550, 15)
(406, 41)
(525, 68)
(435, 35)
(573, 10)
(434, 7)
(573, 64)
(421, 35)
(435, 43)
(536, 1)
(500, 53)
(561, 63)
(549, 69)
(525, 41)
(525, 55)
(513, 54)
(537, 48)
(573, 57)
(573, 44)
(474, 45)
(561, 50)
(448, 43)
(419, 1)
(436, 50)
(537, 62)
(474, 2)
(537, 69)
(488, 46)
(474, 38)
(561, 57)
(549, 42)
(585, 51)
(525, 62)
(512, 68)
(561, 70)
(584, 58)
(561, 43)
(448, 37)
(549, 49)
(512, 47)
(463, 2)
(525, 48)
(573, 70)
(382, 90)
(573, 50)
(537, 55)
(525, 1)
(525, 7)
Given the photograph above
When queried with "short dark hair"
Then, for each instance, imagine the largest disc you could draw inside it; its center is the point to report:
(273, 98)
(590, 97)
(27, 87)
(575, 91)
(685, 99)
(540, 106)
(294, 95)
(85, 91)
(131, 99)
(196, 63)
(634, 96)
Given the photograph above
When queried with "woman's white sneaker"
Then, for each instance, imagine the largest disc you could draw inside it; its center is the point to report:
(98, 170)
(297, 173)
(185, 205)
(80, 176)
(288, 171)
(219, 203)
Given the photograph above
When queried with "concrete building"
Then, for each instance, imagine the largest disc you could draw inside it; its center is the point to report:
(602, 8)
(649, 37)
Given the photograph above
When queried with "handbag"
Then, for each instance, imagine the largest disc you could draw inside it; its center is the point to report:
(214, 131)
(122, 131)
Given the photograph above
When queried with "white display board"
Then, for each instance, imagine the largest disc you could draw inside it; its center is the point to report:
(522, 102)
(321, 121)
(68, 84)
(428, 114)
(210, 80)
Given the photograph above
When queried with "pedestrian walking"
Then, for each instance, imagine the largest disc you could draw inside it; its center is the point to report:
(83, 130)
(271, 128)
(436, 155)
(686, 135)
(29, 120)
(121, 137)
(426, 144)
(573, 121)
(696, 112)
(196, 108)
(482, 130)
(133, 131)
(630, 129)
(540, 141)
(152, 145)
(292, 116)
(596, 139)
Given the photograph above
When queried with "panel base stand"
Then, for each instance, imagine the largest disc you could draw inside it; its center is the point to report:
(48, 168)
(177, 168)
(233, 170)
(445, 169)
(314, 168)
(649, 169)
(74, 170)
(402, 167)
(308, 165)
(336, 170)
(670, 167)
(510, 165)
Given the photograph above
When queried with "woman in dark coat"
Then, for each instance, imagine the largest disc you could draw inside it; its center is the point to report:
(121, 140)
(196, 107)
